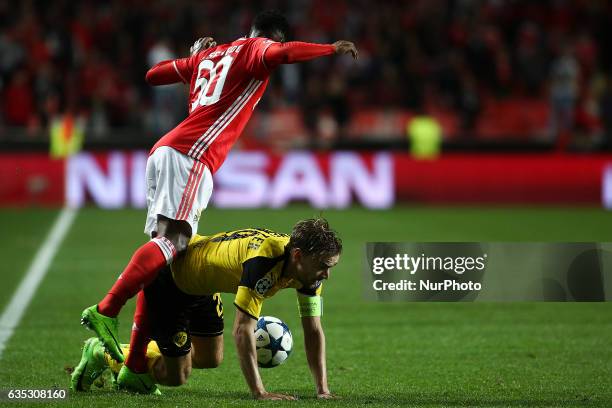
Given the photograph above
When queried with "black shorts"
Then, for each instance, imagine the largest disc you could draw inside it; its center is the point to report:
(175, 316)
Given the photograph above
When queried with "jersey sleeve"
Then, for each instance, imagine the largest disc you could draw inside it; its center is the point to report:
(255, 63)
(184, 68)
(171, 71)
(295, 51)
(248, 301)
(249, 297)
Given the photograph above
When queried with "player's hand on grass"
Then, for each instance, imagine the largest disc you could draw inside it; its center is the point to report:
(346, 47)
(202, 44)
(327, 395)
(272, 396)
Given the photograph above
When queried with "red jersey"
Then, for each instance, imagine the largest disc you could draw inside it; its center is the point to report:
(226, 82)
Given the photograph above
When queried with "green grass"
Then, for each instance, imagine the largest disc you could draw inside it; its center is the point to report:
(24, 232)
(379, 354)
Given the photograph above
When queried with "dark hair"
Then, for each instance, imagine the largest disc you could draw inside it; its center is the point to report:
(267, 23)
(314, 237)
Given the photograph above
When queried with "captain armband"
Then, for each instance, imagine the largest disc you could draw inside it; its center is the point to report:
(310, 306)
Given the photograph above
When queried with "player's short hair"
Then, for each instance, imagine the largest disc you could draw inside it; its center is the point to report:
(314, 237)
(270, 22)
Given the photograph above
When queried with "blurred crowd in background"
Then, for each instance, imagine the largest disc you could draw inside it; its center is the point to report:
(475, 65)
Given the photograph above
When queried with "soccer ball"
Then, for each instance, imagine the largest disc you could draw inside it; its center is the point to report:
(273, 341)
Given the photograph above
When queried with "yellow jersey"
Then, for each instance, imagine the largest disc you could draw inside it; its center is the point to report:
(248, 262)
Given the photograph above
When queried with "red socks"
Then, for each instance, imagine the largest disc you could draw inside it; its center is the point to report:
(137, 358)
(140, 272)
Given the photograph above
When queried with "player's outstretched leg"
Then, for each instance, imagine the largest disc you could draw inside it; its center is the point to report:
(91, 366)
(141, 383)
(137, 358)
(106, 330)
(143, 268)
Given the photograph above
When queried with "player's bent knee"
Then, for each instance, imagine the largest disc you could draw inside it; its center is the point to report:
(207, 352)
(176, 231)
(181, 245)
(179, 240)
(208, 361)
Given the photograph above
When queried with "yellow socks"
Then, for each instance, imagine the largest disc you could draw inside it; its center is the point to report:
(153, 354)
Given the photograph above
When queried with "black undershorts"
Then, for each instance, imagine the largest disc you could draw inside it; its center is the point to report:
(175, 316)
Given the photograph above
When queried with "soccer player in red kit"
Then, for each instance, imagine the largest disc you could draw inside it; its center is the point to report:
(226, 83)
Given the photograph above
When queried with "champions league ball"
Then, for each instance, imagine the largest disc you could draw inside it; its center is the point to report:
(273, 341)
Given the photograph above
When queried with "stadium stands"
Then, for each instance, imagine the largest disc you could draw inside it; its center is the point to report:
(486, 70)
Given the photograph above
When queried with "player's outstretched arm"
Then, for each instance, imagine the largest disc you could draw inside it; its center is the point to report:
(165, 73)
(314, 343)
(174, 71)
(244, 325)
(297, 51)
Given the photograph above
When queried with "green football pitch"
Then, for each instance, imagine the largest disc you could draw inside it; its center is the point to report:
(379, 354)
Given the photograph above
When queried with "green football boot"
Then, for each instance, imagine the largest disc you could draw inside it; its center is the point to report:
(134, 382)
(105, 328)
(91, 366)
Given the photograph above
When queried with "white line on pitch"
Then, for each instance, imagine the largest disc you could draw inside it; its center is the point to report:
(36, 272)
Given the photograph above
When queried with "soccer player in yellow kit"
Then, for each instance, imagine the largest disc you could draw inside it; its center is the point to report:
(185, 309)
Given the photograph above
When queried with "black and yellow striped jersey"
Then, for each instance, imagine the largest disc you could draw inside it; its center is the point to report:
(248, 262)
